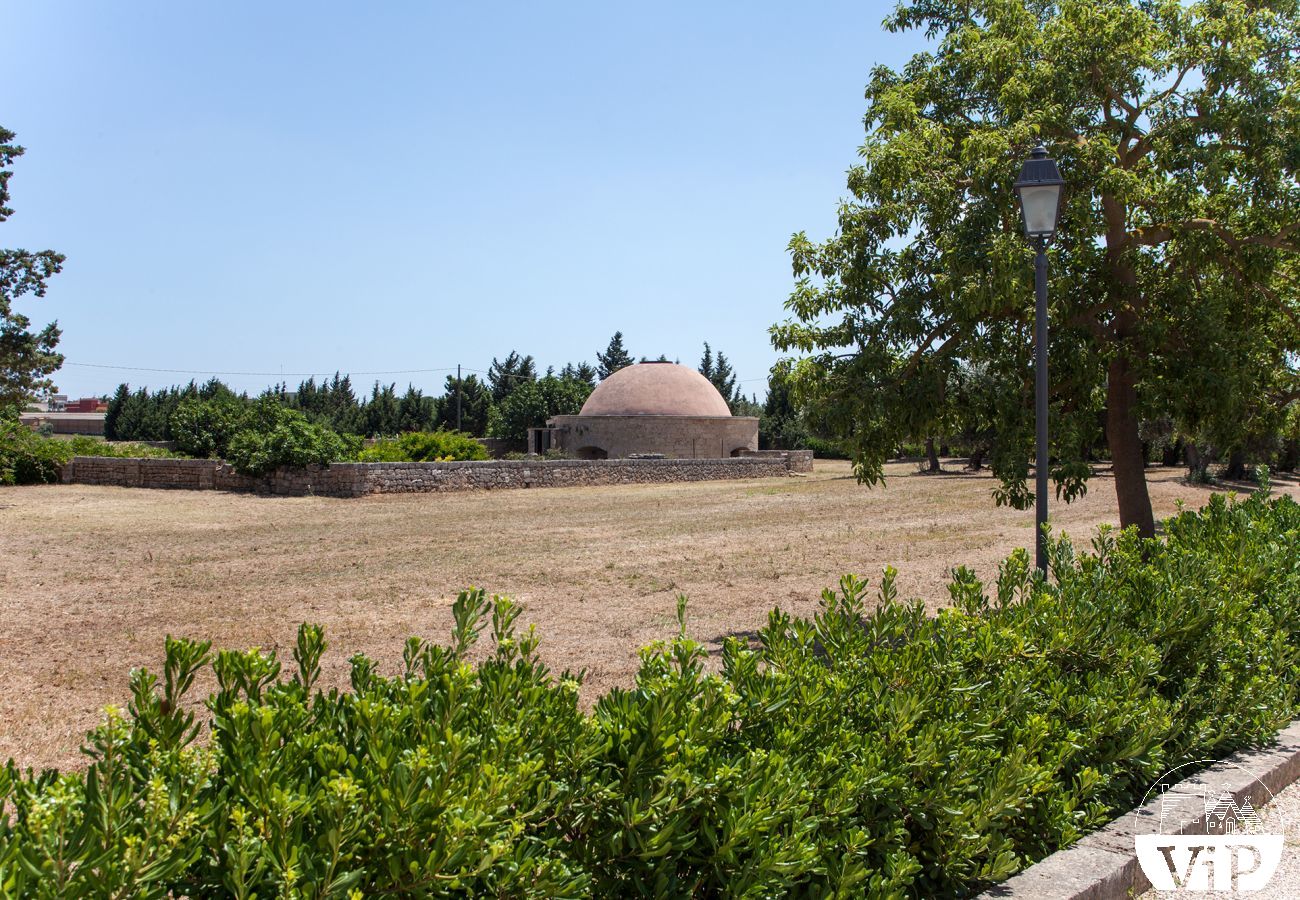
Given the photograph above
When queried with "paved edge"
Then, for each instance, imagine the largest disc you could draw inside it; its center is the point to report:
(1103, 865)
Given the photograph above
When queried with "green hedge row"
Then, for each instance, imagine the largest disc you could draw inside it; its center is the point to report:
(27, 457)
(255, 438)
(871, 751)
(425, 446)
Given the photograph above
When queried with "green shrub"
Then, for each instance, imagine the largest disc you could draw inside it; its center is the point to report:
(826, 449)
(89, 446)
(531, 403)
(27, 457)
(383, 450)
(204, 428)
(274, 436)
(858, 754)
(425, 446)
(549, 454)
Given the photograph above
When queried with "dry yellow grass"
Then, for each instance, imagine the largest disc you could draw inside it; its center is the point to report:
(93, 578)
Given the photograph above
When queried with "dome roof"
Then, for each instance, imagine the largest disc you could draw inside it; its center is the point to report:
(655, 389)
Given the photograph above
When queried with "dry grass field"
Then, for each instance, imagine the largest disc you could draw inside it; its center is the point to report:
(91, 578)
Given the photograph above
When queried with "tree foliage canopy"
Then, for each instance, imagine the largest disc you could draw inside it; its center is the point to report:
(1177, 128)
(531, 404)
(614, 358)
(475, 403)
(27, 358)
(583, 371)
(504, 376)
(717, 368)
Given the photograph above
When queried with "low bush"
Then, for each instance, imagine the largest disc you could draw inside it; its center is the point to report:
(27, 457)
(826, 449)
(519, 456)
(425, 446)
(82, 445)
(273, 436)
(204, 428)
(881, 753)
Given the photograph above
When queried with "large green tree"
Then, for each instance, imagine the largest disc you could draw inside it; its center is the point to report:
(717, 368)
(533, 402)
(614, 358)
(27, 357)
(504, 376)
(582, 371)
(780, 425)
(472, 398)
(1177, 128)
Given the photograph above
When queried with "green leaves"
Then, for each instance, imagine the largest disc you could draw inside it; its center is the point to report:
(1176, 126)
(26, 457)
(872, 750)
(27, 357)
(425, 446)
(531, 403)
(203, 427)
(272, 435)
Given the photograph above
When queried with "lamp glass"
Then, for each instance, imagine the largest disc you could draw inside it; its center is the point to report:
(1038, 205)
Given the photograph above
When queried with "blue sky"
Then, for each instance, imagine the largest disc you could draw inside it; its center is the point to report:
(304, 187)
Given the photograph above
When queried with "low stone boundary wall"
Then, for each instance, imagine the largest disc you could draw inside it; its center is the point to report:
(359, 479)
(184, 474)
(798, 460)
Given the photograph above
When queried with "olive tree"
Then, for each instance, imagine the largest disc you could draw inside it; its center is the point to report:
(1177, 128)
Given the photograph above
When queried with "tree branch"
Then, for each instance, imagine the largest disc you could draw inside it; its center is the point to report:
(1159, 234)
(1115, 96)
(941, 350)
(1169, 92)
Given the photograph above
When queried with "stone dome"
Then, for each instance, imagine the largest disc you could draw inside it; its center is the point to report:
(655, 389)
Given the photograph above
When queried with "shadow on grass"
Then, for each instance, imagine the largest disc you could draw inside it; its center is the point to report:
(747, 636)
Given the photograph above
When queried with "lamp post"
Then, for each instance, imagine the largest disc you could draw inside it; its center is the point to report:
(1039, 191)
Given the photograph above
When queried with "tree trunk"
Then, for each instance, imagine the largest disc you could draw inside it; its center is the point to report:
(1172, 453)
(1290, 456)
(1236, 468)
(932, 455)
(976, 459)
(1127, 460)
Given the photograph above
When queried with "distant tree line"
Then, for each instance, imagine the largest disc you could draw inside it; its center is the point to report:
(511, 398)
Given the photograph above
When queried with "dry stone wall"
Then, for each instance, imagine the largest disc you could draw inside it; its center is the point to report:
(359, 479)
(799, 461)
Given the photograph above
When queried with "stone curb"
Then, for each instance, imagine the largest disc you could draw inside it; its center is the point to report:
(1104, 866)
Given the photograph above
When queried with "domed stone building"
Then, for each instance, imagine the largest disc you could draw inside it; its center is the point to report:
(652, 408)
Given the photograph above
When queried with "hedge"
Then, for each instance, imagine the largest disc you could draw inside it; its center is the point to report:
(270, 436)
(425, 446)
(870, 751)
(27, 457)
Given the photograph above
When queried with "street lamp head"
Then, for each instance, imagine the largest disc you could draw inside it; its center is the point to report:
(1039, 189)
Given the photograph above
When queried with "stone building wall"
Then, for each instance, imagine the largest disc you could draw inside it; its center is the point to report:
(678, 437)
(359, 479)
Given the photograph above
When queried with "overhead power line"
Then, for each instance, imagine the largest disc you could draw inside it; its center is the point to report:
(322, 373)
(261, 374)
